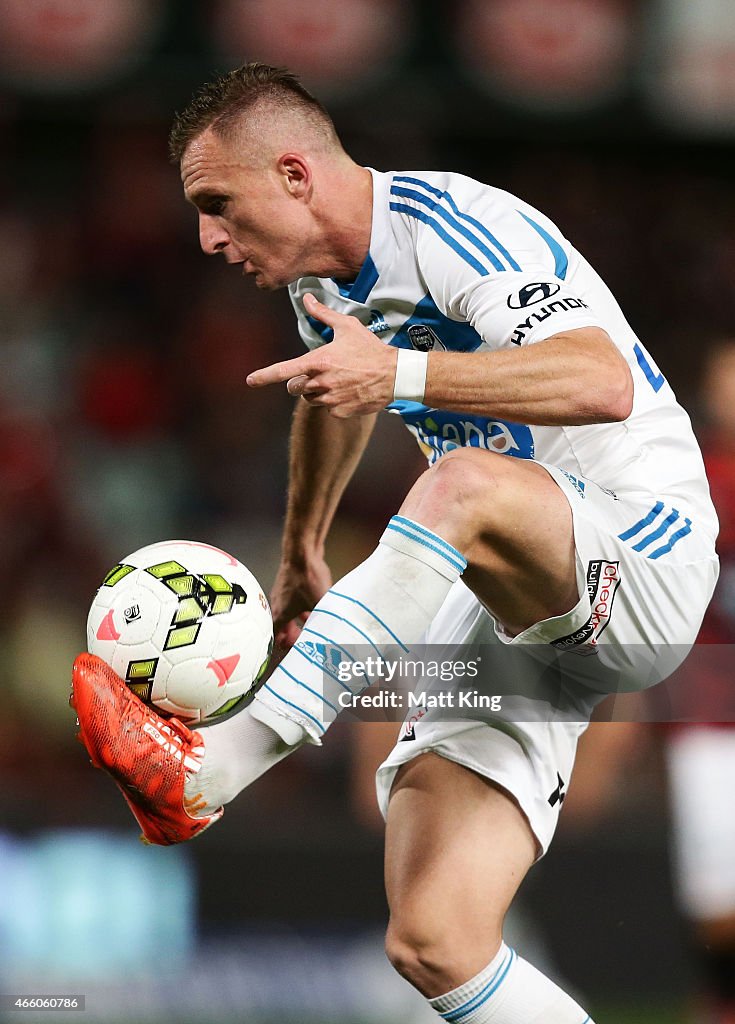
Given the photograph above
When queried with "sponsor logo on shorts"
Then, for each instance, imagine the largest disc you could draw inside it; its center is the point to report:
(557, 797)
(603, 580)
(408, 729)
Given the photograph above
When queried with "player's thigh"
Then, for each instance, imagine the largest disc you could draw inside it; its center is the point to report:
(457, 848)
(512, 522)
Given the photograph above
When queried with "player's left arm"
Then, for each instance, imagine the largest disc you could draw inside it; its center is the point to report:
(570, 379)
(575, 377)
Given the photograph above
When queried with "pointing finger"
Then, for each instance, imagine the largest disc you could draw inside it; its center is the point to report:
(278, 373)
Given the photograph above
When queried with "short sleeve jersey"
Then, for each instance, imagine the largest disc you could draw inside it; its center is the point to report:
(460, 266)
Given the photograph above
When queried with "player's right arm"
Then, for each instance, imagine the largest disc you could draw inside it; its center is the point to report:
(323, 455)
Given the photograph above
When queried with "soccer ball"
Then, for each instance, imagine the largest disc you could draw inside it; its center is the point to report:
(187, 627)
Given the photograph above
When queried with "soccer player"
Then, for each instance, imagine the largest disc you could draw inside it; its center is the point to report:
(565, 505)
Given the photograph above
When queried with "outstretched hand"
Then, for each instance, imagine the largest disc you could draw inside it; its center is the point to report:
(351, 376)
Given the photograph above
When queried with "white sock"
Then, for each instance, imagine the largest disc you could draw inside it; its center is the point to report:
(386, 602)
(237, 751)
(382, 607)
(509, 991)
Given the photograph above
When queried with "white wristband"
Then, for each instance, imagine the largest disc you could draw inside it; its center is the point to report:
(410, 382)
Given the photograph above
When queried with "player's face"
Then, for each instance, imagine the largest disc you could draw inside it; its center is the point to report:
(253, 214)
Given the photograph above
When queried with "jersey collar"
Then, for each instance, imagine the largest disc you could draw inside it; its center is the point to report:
(359, 289)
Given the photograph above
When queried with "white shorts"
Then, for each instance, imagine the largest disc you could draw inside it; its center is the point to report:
(639, 611)
(701, 763)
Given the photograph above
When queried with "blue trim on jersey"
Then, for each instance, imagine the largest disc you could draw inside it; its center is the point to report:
(430, 535)
(321, 667)
(454, 335)
(365, 281)
(346, 597)
(295, 706)
(637, 527)
(343, 287)
(327, 333)
(308, 629)
(481, 227)
(561, 263)
(280, 668)
(407, 193)
(425, 543)
(407, 408)
(359, 289)
(673, 539)
(417, 181)
(444, 235)
(656, 380)
(484, 994)
(658, 532)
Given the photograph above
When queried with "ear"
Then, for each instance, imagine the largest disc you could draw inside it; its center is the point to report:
(296, 174)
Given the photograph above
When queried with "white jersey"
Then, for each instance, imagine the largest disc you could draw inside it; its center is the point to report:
(460, 266)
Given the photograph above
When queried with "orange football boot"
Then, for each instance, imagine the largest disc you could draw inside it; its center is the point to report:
(149, 757)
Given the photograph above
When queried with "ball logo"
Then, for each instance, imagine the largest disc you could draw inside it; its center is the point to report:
(530, 294)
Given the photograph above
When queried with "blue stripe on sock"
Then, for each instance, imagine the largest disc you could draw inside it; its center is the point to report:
(420, 540)
(314, 693)
(323, 611)
(484, 994)
(346, 597)
(322, 668)
(637, 527)
(430, 535)
(308, 629)
(687, 528)
(296, 706)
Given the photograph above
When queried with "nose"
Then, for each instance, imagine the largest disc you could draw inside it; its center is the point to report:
(213, 237)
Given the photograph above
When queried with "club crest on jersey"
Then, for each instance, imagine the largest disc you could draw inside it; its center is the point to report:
(378, 324)
(532, 293)
(423, 338)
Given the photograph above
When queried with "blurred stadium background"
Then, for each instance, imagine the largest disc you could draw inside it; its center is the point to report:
(124, 419)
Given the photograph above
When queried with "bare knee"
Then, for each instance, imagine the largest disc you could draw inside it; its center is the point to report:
(436, 957)
(465, 477)
(458, 493)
